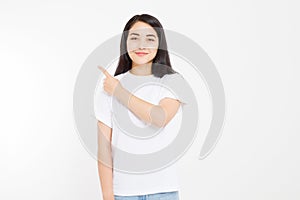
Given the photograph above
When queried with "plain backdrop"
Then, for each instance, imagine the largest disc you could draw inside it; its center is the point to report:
(254, 45)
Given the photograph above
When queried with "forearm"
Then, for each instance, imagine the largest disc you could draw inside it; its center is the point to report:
(105, 163)
(148, 112)
(105, 175)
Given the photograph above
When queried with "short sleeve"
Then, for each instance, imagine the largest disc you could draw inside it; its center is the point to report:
(102, 105)
(173, 87)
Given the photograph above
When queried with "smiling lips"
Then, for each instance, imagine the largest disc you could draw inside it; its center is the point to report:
(139, 53)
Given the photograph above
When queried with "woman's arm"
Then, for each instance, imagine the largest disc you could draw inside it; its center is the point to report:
(105, 160)
(158, 115)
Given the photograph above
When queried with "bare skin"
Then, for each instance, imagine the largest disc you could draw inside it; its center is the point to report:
(105, 160)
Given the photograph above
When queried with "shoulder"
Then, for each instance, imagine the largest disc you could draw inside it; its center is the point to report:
(120, 76)
(175, 81)
(173, 77)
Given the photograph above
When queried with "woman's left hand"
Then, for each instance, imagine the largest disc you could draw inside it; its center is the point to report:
(110, 83)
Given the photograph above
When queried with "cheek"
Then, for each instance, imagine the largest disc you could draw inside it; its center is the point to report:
(131, 55)
(153, 53)
(131, 46)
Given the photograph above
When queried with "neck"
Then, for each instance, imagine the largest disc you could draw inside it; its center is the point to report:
(144, 69)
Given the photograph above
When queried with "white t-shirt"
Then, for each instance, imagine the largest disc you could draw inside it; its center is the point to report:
(163, 180)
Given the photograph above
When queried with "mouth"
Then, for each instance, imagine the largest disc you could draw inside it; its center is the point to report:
(140, 53)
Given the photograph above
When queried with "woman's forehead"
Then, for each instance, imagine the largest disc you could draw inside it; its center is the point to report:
(141, 28)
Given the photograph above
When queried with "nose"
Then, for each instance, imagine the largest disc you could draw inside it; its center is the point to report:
(141, 44)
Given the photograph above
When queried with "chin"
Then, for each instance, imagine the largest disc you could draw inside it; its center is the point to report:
(140, 61)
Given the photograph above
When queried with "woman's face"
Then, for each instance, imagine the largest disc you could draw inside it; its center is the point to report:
(142, 43)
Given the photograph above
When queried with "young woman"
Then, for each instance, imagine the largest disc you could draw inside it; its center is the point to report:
(144, 57)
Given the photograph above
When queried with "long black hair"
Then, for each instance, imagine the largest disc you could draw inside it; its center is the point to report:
(161, 64)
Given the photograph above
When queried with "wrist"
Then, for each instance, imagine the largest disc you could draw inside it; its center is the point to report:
(118, 90)
(108, 196)
(122, 95)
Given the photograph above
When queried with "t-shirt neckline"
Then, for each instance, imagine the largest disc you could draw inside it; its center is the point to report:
(142, 76)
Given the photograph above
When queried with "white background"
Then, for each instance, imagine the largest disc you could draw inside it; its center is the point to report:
(254, 45)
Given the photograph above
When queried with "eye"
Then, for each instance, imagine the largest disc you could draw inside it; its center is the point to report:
(133, 38)
(150, 39)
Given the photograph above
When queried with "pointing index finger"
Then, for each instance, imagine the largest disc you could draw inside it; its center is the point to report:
(104, 71)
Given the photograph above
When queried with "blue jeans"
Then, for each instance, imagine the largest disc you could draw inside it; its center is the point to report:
(157, 196)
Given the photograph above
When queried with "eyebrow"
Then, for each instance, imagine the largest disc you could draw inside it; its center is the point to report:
(134, 34)
(148, 35)
(151, 35)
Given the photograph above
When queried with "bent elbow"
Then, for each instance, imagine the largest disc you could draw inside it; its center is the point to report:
(158, 117)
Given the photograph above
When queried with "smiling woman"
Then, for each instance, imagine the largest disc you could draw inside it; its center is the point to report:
(142, 43)
(143, 57)
(144, 34)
